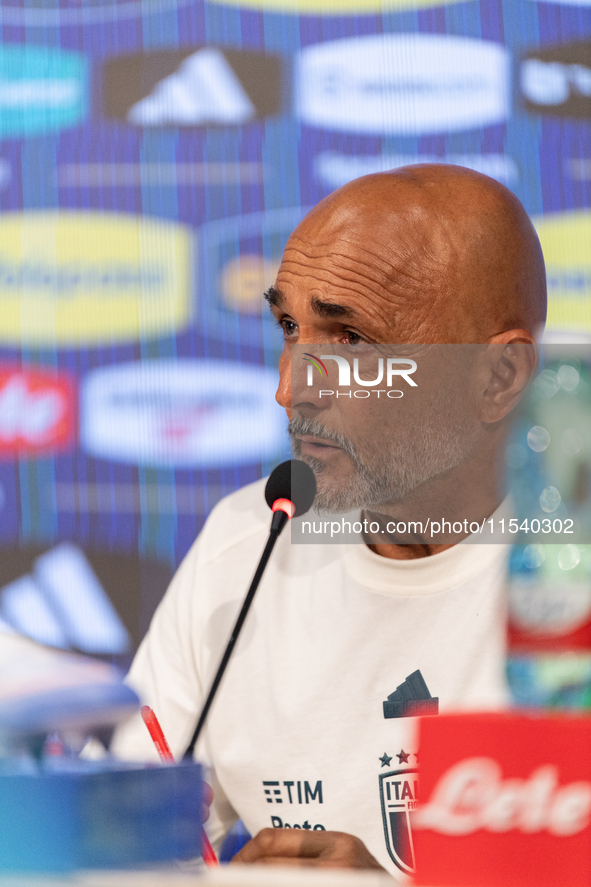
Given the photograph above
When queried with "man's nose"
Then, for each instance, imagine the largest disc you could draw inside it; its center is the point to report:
(283, 393)
(293, 393)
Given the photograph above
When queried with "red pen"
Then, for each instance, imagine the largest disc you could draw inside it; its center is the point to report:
(163, 749)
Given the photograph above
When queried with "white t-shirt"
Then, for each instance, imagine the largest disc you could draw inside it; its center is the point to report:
(298, 735)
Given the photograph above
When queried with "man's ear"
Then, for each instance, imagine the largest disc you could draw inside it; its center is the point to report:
(512, 359)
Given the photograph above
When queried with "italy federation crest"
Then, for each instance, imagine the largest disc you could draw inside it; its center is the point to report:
(399, 796)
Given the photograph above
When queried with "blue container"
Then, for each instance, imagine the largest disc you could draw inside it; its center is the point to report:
(119, 817)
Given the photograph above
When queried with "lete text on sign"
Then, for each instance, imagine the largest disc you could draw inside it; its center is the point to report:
(505, 800)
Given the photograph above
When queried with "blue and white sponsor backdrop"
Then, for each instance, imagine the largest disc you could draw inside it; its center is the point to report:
(154, 157)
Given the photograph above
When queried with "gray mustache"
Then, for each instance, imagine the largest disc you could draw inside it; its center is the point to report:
(302, 426)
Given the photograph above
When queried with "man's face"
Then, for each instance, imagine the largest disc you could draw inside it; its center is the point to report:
(366, 452)
(373, 446)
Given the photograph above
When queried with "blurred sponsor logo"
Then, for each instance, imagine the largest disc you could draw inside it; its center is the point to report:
(244, 279)
(547, 611)
(111, 497)
(557, 80)
(158, 175)
(62, 603)
(239, 261)
(36, 412)
(402, 83)
(72, 278)
(96, 600)
(512, 789)
(565, 239)
(41, 89)
(578, 169)
(544, 610)
(472, 795)
(204, 413)
(55, 13)
(336, 7)
(5, 173)
(193, 87)
(335, 169)
(567, 2)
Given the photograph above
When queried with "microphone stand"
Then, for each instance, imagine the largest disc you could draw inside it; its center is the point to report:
(278, 522)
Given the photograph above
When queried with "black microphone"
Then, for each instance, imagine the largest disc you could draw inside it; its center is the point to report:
(290, 492)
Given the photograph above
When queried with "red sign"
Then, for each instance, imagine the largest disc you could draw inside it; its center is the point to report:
(37, 411)
(522, 640)
(505, 801)
(550, 615)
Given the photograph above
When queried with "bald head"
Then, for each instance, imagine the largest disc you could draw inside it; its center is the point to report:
(439, 253)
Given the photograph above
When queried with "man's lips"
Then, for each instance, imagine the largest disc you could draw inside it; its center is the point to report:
(316, 446)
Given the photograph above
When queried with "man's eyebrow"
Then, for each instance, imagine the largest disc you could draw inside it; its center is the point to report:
(331, 309)
(274, 297)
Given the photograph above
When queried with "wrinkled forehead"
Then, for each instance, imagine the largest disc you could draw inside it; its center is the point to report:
(397, 284)
(385, 254)
(403, 230)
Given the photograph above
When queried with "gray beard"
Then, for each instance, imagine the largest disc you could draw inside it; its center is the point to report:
(433, 452)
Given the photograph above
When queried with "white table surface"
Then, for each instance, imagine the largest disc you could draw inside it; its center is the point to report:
(224, 876)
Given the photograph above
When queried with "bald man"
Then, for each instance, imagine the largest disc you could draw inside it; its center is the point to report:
(311, 740)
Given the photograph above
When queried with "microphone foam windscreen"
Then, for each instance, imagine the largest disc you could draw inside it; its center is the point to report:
(293, 480)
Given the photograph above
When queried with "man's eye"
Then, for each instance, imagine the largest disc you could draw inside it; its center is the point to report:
(353, 338)
(289, 328)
